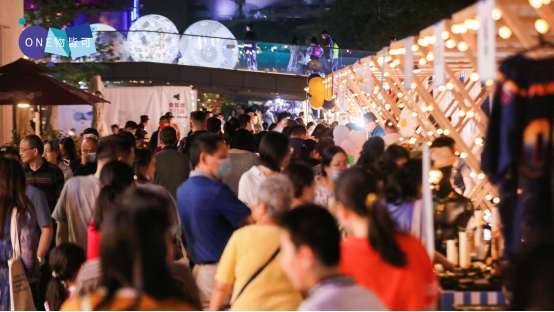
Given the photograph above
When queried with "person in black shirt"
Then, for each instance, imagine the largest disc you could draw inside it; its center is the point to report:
(198, 126)
(251, 47)
(328, 51)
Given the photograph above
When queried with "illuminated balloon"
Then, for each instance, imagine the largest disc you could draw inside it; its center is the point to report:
(349, 147)
(313, 76)
(359, 137)
(340, 133)
(328, 105)
(153, 38)
(317, 87)
(316, 102)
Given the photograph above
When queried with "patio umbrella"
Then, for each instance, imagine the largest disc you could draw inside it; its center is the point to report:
(24, 82)
(96, 87)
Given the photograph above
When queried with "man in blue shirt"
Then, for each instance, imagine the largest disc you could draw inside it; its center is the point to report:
(372, 127)
(210, 212)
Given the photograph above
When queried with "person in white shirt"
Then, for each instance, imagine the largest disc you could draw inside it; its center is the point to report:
(391, 134)
(275, 151)
(310, 257)
(282, 119)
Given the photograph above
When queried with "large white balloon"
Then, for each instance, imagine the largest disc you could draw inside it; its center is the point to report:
(210, 44)
(153, 38)
(106, 34)
(340, 133)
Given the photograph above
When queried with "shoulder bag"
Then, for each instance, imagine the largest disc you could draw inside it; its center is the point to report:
(21, 298)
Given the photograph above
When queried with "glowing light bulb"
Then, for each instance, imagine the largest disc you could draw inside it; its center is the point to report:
(414, 114)
(535, 3)
(424, 109)
(400, 94)
(422, 61)
(479, 141)
(445, 35)
(473, 175)
(450, 86)
(463, 155)
(415, 47)
(455, 29)
(463, 46)
(439, 131)
(429, 144)
(470, 114)
(489, 83)
(541, 26)
(388, 59)
(481, 176)
(461, 113)
(488, 197)
(462, 28)
(430, 133)
(430, 57)
(446, 132)
(545, 2)
(474, 76)
(386, 74)
(450, 43)
(430, 108)
(504, 32)
(431, 39)
(442, 88)
(496, 14)
(414, 85)
(496, 200)
(400, 105)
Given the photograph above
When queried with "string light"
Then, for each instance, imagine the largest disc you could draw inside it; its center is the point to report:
(450, 43)
(449, 86)
(445, 35)
(415, 47)
(496, 200)
(535, 3)
(472, 174)
(430, 133)
(446, 132)
(463, 46)
(400, 94)
(470, 114)
(431, 39)
(442, 88)
(422, 61)
(414, 85)
(463, 155)
(489, 83)
(541, 26)
(479, 141)
(400, 105)
(461, 113)
(481, 176)
(496, 14)
(474, 76)
(439, 131)
(504, 32)
(545, 2)
(414, 114)
(488, 197)
(430, 57)
(430, 108)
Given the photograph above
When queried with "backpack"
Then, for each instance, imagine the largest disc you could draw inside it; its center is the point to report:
(318, 51)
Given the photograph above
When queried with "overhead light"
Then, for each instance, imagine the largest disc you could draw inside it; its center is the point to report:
(23, 105)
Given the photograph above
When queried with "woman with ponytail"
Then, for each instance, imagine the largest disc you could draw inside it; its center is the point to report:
(393, 265)
(116, 177)
(65, 262)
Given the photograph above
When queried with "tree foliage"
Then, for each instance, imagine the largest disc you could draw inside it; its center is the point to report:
(370, 24)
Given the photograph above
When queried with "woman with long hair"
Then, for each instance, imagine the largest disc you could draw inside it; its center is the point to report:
(333, 162)
(53, 155)
(65, 261)
(15, 203)
(116, 177)
(68, 149)
(242, 156)
(275, 151)
(229, 129)
(371, 152)
(135, 256)
(381, 258)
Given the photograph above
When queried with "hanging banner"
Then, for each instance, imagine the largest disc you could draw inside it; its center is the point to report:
(383, 67)
(438, 51)
(408, 63)
(486, 41)
(178, 101)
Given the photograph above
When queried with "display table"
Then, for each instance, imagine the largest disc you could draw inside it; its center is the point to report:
(472, 301)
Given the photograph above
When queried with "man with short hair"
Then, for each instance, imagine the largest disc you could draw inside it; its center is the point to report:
(210, 212)
(213, 125)
(372, 126)
(443, 154)
(73, 212)
(250, 112)
(282, 119)
(46, 177)
(208, 115)
(155, 140)
(169, 115)
(87, 164)
(197, 126)
(297, 137)
(115, 129)
(310, 257)
(172, 167)
(131, 127)
(328, 50)
(246, 122)
(251, 47)
(143, 123)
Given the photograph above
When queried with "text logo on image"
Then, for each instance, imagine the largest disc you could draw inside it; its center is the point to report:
(35, 42)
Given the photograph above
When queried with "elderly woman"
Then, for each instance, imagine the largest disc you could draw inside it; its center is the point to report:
(255, 249)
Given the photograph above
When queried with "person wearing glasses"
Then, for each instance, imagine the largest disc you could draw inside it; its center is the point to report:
(39, 173)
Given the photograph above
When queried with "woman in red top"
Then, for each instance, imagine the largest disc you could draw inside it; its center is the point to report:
(393, 265)
(116, 177)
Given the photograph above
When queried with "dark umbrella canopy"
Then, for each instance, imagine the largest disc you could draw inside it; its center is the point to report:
(25, 82)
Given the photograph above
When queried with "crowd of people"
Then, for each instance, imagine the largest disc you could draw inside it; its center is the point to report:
(226, 217)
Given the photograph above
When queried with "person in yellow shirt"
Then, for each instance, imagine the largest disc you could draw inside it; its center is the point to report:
(255, 249)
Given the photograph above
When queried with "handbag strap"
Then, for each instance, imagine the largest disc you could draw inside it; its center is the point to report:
(14, 235)
(258, 272)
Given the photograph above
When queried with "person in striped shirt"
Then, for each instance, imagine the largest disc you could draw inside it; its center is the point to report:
(46, 177)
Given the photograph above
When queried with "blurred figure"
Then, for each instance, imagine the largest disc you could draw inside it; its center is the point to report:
(154, 144)
(241, 154)
(274, 153)
(65, 262)
(302, 178)
(372, 127)
(333, 162)
(53, 155)
(198, 127)
(282, 119)
(169, 116)
(134, 254)
(321, 145)
(254, 248)
(172, 167)
(68, 150)
(14, 203)
(115, 129)
(379, 257)
(88, 163)
(391, 134)
(75, 207)
(131, 127)
(213, 125)
(310, 257)
(210, 212)
(397, 154)
(295, 62)
(251, 47)
(372, 150)
(297, 136)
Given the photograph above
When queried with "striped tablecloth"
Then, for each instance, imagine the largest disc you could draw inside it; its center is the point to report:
(450, 298)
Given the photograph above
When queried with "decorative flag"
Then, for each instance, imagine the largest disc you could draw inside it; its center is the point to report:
(486, 41)
(438, 50)
(408, 63)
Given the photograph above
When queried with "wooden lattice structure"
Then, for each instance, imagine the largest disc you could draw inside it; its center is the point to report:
(455, 108)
